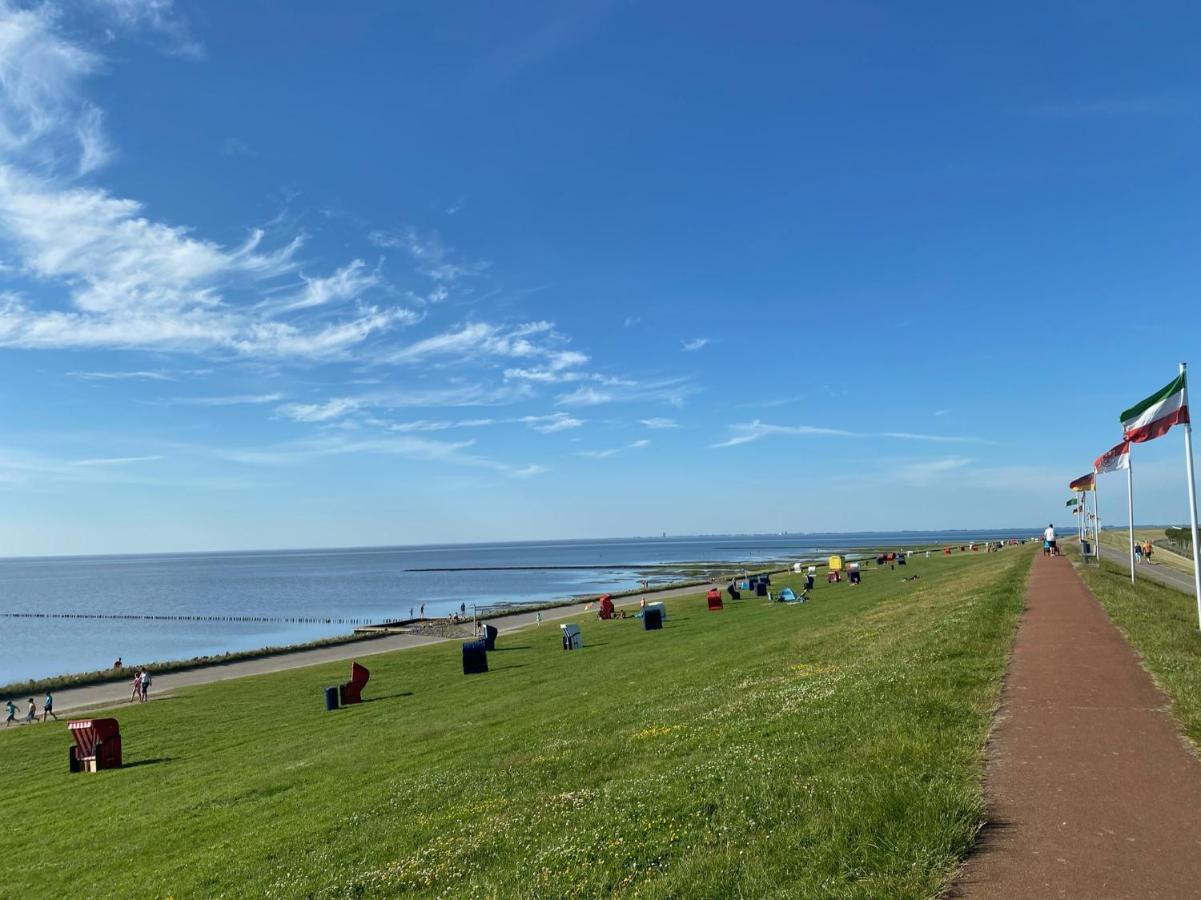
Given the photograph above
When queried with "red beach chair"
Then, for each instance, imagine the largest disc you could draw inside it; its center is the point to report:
(714, 598)
(352, 691)
(97, 745)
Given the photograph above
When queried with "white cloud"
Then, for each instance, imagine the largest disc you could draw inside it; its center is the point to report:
(423, 449)
(121, 278)
(552, 423)
(745, 433)
(437, 425)
(135, 283)
(657, 422)
(480, 340)
(154, 15)
(585, 396)
(231, 400)
(346, 283)
(115, 460)
(144, 375)
(432, 257)
(631, 321)
(940, 412)
(334, 408)
(694, 344)
(613, 451)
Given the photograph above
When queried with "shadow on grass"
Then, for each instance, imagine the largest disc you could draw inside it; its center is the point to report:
(148, 762)
(502, 649)
(389, 697)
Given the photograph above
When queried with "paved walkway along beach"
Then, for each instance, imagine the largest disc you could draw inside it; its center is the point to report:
(1173, 578)
(101, 695)
(1092, 790)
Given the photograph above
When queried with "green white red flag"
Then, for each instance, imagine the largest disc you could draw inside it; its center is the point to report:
(1153, 417)
(1114, 459)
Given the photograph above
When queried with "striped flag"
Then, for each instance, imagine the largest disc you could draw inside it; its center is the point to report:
(1113, 459)
(1083, 483)
(1153, 417)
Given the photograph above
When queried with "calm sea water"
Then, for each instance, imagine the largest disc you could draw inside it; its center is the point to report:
(373, 584)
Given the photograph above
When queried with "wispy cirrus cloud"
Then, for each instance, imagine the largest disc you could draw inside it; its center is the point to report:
(674, 391)
(227, 400)
(334, 408)
(433, 258)
(549, 424)
(158, 16)
(122, 279)
(659, 422)
(421, 449)
(115, 460)
(136, 375)
(613, 451)
(748, 432)
(691, 346)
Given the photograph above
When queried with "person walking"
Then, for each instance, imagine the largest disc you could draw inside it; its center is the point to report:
(144, 685)
(423, 610)
(1147, 551)
(11, 709)
(1049, 548)
(32, 714)
(1138, 552)
(48, 707)
(137, 686)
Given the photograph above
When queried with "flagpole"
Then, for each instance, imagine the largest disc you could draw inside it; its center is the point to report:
(1097, 517)
(1192, 496)
(1130, 507)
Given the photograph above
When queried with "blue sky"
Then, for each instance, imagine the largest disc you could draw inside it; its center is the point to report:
(273, 275)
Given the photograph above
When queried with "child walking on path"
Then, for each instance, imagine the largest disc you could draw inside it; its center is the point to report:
(32, 714)
(11, 709)
(48, 707)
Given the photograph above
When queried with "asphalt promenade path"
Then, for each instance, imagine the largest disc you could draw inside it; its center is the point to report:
(1092, 791)
(1165, 575)
(104, 695)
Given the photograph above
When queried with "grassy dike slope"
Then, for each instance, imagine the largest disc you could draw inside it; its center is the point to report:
(830, 749)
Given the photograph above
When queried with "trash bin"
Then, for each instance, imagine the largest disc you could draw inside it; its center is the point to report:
(475, 658)
(652, 619)
(331, 699)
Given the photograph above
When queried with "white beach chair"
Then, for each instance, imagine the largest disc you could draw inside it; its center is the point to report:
(573, 639)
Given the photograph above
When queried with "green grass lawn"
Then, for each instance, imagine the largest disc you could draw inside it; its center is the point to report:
(1161, 624)
(833, 749)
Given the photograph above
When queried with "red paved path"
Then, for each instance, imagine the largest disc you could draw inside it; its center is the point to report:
(1093, 793)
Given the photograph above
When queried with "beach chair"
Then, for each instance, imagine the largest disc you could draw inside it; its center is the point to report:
(658, 604)
(352, 691)
(475, 658)
(97, 745)
(714, 599)
(489, 637)
(573, 638)
(652, 619)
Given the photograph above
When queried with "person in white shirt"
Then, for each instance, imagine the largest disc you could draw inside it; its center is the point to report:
(1049, 548)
